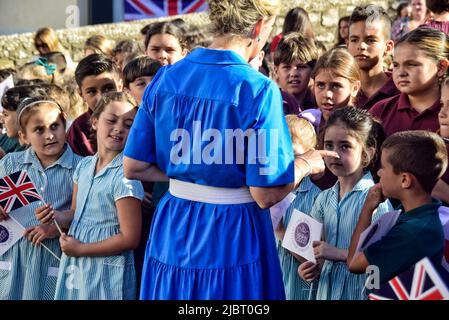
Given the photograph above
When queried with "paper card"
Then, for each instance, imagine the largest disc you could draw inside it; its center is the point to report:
(302, 231)
(377, 230)
(10, 232)
(279, 209)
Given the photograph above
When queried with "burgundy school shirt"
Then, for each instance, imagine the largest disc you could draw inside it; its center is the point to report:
(78, 135)
(396, 114)
(388, 90)
(291, 105)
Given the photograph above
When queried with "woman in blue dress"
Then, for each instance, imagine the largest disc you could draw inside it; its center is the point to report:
(215, 127)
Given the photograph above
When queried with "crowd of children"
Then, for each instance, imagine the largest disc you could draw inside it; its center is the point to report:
(387, 124)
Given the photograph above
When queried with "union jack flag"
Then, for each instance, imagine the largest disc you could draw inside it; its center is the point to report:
(421, 282)
(144, 9)
(16, 191)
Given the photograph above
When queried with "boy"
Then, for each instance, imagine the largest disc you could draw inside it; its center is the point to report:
(95, 74)
(137, 74)
(411, 164)
(370, 43)
(294, 60)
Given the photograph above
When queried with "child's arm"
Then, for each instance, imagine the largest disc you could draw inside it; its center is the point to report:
(324, 250)
(373, 199)
(143, 171)
(130, 220)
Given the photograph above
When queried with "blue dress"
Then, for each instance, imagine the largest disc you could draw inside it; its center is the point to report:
(99, 278)
(199, 250)
(295, 287)
(31, 271)
(340, 217)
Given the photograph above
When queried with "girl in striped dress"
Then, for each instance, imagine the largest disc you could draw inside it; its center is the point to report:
(27, 271)
(356, 137)
(97, 261)
(303, 139)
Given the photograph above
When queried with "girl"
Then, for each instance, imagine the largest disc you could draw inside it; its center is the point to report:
(165, 42)
(356, 137)
(336, 81)
(303, 139)
(29, 272)
(336, 84)
(98, 261)
(342, 32)
(419, 62)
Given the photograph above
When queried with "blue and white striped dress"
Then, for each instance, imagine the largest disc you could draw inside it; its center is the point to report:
(340, 219)
(295, 287)
(96, 219)
(28, 272)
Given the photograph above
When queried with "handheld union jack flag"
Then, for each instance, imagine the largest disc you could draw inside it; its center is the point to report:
(144, 9)
(16, 191)
(421, 282)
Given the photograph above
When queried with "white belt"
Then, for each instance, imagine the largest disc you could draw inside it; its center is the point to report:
(208, 194)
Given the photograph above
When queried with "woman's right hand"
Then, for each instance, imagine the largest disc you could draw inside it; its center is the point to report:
(3, 215)
(315, 159)
(45, 214)
(309, 271)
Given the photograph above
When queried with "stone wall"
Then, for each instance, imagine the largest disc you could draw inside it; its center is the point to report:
(17, 49)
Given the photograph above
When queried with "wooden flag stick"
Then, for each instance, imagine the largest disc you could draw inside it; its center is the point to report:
(57, 226)
(51, 252)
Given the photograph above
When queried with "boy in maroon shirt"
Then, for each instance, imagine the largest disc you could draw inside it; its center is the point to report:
(95, 74)
(370, 43)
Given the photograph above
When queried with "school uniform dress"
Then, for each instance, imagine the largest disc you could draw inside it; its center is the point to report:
(417, 234)
(295, 287)
(203, 246)
(396, 114)
(340, 219)
(99, 278)
(29, 272)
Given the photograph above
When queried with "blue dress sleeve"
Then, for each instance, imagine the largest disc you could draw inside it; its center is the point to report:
(141, 144)
(270, 153)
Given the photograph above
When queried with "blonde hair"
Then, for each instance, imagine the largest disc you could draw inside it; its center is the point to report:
(301, 131)
(238, 17)
(48, 36)
(99, 44)
(340, 62)
(32, 71)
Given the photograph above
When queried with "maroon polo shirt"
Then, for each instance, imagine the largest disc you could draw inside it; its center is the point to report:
(78, 135)
(289, 103)
(396, 114)
(309, 101)
(388, 90)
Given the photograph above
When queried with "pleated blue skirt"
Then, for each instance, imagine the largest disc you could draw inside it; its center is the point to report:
(202, 251)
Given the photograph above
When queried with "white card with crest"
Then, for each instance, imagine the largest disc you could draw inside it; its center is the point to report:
(302, 231)
(10, 232)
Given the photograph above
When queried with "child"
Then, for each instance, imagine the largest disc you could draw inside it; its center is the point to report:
(420, 60)
(354, 135)
(98, 44)
(369, 43)
(10, 102)
(123, 49)
(98, 261)
(294, 60)
(96, 74)
(29, 271)
(137, 74)
(165, 42)
(342, 32)
(336, 82)
(412, 162)
(303, 139)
